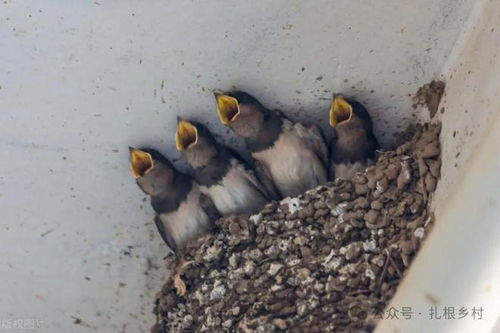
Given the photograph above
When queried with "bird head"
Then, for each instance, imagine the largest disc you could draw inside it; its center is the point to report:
(152, 171)
(340, 111)
(195, 142)
(240, 111)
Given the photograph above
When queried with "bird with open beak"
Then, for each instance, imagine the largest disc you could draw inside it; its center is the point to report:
(183, 212)
(290, 158)
(222, 174)
(353, 145)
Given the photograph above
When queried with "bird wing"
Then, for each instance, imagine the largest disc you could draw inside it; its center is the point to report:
(314, 138)
(209, 208)
(164, 234)
(267, 181)
(252, 178)
(250, 175)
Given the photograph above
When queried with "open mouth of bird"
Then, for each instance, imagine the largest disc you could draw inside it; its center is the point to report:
(340, 112)
(227, 108)
(186, 135)
(140, 162)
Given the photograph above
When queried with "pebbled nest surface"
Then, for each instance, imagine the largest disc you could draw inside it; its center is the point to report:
(329, 260)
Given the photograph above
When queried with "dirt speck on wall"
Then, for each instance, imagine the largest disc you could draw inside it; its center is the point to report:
(327, 260)
(429, 95)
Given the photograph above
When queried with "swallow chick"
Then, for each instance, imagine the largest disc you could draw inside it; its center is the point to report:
(353, 145)
(290, 158)
(222, 174)
(183, 212)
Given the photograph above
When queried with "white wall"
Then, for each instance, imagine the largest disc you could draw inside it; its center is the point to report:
(459, 265)
(81, 81)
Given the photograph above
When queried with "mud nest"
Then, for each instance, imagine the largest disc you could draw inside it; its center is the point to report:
(328, 260)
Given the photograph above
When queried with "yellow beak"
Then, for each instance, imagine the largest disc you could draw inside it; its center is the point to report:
(186, 135)
(340, 111)
(140, 162)
(227, 108)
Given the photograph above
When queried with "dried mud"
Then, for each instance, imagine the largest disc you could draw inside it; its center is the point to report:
(327, 261)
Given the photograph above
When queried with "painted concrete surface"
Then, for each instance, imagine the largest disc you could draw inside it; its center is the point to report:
(459, 264)
(81, 81)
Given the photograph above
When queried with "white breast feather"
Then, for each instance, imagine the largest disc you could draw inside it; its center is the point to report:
(293, 166)
(189, 220)
(348, 170)
(235, 194)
